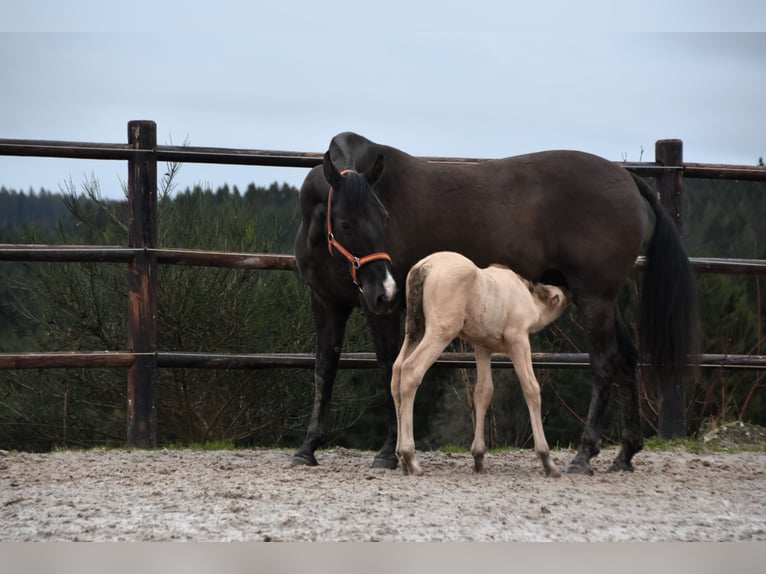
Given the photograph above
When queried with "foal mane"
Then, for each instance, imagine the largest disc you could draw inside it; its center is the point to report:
(538, 290)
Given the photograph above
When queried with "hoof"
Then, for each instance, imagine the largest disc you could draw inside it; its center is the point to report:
(304, 459)
(388, 462)
(409, 471)
(620, 466)
(553, 473)
(622, 462)
(583, 469)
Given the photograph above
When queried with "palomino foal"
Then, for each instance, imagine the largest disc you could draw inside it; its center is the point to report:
(493, 308)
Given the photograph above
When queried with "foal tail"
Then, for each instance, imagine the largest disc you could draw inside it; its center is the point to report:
(415, 326)
(669, 322)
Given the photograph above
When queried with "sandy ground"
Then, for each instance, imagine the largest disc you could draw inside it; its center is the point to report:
(256, 495)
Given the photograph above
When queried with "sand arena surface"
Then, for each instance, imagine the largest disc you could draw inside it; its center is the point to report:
(256, 495)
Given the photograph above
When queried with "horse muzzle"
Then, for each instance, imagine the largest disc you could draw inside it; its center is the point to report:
(380, 296)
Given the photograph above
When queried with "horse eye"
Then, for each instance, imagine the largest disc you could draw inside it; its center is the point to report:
(345, 226)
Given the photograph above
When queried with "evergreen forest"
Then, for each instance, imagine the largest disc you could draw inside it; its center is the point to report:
(82, 306)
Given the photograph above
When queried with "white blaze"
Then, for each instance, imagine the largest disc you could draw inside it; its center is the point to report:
(389, 286)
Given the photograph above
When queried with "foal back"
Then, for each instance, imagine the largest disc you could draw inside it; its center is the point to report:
(483, 306)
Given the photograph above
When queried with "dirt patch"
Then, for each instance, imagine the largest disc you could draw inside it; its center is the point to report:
(256, 495)
(734, 435)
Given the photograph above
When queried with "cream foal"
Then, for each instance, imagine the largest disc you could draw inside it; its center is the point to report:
(493, 308)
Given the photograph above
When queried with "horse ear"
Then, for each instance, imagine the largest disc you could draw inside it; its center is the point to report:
(373, 173)
(331, 173)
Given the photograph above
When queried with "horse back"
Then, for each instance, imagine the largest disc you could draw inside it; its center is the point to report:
(549, 214)
(562, 210)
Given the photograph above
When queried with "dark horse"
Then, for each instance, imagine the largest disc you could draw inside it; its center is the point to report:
(561, 217)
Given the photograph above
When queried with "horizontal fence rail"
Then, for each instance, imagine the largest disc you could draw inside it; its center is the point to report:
(275, 158)
(233, 361)
(110, 254)
(142, 256)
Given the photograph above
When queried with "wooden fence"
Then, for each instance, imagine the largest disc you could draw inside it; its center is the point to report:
(142, 359)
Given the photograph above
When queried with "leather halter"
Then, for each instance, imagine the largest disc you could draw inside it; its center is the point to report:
(356, 262)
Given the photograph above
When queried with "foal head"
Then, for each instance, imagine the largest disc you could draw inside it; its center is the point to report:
(356, 224)
(550, 301)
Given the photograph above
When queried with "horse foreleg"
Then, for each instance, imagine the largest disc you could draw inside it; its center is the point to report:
(330, 322)
(385, 334)
(521, 355)
(482, 398)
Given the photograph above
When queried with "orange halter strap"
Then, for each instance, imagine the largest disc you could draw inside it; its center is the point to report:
(355, 262)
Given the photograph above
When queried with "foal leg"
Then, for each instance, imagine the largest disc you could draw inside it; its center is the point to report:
(413, 369)
(482, 397)
(396, 381)
(520, 352)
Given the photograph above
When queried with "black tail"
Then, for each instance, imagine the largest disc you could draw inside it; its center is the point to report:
(416, 320)
(669, 319)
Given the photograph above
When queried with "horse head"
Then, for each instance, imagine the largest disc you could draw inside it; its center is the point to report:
(356, 224)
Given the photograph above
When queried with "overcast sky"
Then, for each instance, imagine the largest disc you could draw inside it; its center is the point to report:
(469, 79)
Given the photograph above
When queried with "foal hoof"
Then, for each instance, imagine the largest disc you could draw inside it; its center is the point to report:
(580, 468)
(304, 459)
(553, 472)
(385, 461)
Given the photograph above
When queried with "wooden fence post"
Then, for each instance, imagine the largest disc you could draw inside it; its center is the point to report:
(671, 391)
(142, 300)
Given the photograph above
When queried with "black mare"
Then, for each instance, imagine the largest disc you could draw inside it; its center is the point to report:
(561, 217)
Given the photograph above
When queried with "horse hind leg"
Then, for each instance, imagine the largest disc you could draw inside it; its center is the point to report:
(599, 316)
(626, 376)
(482, 398)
